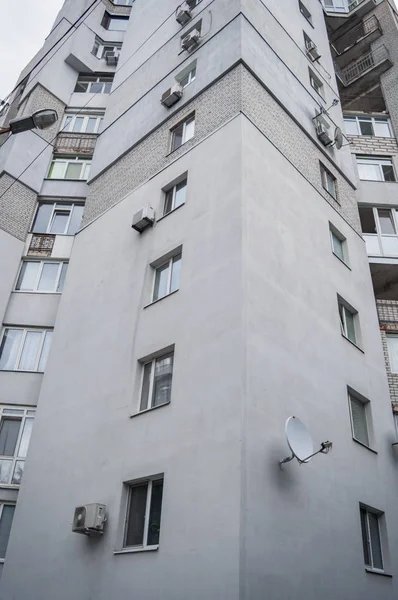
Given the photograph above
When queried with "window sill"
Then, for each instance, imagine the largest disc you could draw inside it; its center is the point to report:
(376, 572)
(20, 371)
(135, 550)
(365, 446)
(341, 260)
(36, 292)
(353, 343)
(170, 213)
(64, 179)
(160, 299)
(147, 410)
(175, 149)
(54, 234)
(378, 181)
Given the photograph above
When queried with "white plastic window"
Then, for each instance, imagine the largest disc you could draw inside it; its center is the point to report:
(24, 349)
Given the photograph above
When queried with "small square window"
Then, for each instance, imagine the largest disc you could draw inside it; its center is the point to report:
(339, 243)
(305, 12)
(328, 181)
(371, 538)
(183, 132)
(360, 414)
(167, 278)
(156, 381)
(175, 197)
(143, 515)
(348, 319)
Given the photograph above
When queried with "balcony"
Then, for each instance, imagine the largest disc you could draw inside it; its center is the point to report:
(362, 74)
(351, 45)
(72, 143)
(41, 245)
(339, 12)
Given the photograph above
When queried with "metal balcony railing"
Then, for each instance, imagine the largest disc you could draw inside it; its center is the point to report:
(72, 143)
(351, 37)
(41, 244)
(357, 68)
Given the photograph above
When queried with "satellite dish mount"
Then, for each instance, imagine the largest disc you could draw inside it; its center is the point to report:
(300, 443)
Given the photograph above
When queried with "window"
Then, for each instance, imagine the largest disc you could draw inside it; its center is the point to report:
(167, 278)
(379, 228)
(374, 126)
(187, 78)
(374, 168)
(81, 123)
(305, 12)
(6, 517)
(101, 48)
(183, 132)
(328, 181)
(338, 243)
(371, 540)
(359, 410)
(70, 167)
(175, 197)
(317, 84)
(156, 381)
(123, 2)
(348, 316)
(143, 516)
(24, 349)
(114, 22)
(392, 343)
(94, 84)
(58, 218)
(15, 430)
(41, 276)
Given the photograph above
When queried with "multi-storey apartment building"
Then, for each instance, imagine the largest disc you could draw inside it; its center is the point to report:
(164, 364)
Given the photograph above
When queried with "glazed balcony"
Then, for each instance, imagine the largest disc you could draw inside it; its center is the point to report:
(355, 42)
(339, 12)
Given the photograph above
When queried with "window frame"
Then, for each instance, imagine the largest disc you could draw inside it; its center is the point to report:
(90, 79)
(378, 161)
(389, 336)
(55, 206)
(41, 263)
(25, 331)
(173, 190)
(379, 514)
(129, 485)
(152, 362)
(170, 262)
(372, 119)
(67, 160)
(346, 307)
(379, 235)
(355, 397)
(68, 128)
(325, 174)
(335, 233)
(187, 120)
(2, 505)
(190, 75)
(305, 12)
(316, 84)
(24, 413)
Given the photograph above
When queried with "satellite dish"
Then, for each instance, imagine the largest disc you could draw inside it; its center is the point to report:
(299, 439)
(338, 138)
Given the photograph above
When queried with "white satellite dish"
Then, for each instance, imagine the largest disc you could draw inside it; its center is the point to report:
(300, 442)
(299, 439)
(338, 138)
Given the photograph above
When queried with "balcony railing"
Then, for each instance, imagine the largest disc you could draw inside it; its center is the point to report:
(41, 245)
(359, 67)
(71, 143)
(354, 35)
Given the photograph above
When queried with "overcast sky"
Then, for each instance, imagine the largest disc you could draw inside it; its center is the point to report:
(24, 25)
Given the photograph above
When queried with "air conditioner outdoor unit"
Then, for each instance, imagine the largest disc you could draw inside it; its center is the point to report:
(143, 218)
(111, 58)
(191, 40)
(172, 95)
(323, 134)
(89, 519)
(312, 51)
(183, 15)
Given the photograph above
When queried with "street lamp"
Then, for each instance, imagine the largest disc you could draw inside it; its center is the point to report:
(39, 120)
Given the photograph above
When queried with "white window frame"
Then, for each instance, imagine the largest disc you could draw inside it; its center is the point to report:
(168, 262)
(190, 76)
(123, 2)
(305, 12)
(84, 173)
(130, 485)
(184, 124)
(173, 189)
(334, 233)
(25, 331)
(38, 276)
(354, 397)
(99, 48)
(378, 514)
(357, 119)
(2, 505)
(390, 335)
(317, 84)
(24, 413)
(379, 234)
(379, 162)
(68, 128)
(153, 362)
(80, 79)
(326, 175)
(56, 207)
(343, 321)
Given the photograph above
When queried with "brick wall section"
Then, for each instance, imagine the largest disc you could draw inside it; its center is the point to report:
(38, 99)
(16, 207)
(237, 92)
(388, 317)
(116, 9)
(364, 144)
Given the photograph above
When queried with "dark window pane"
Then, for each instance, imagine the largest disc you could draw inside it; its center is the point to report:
(177, 137)
(162, 380)
(136, 515)
(367, 219)
(386, 221)
(5, 528)
(42, 218)
(168, 203)
(365, 543)
(377, 559)
(155, 512)
(388, 173)
(146, 382)
(76, 219)
(366, 127)
(9, 430)
(81, 87)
